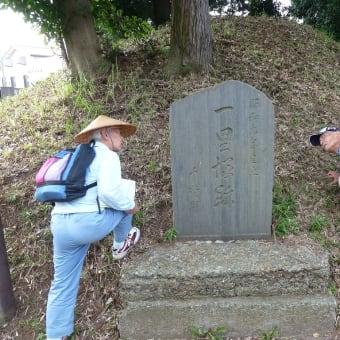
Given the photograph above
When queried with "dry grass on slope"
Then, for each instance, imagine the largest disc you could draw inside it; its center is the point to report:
(297, 68)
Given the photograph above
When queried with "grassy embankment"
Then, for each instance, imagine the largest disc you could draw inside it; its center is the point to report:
(296, 67)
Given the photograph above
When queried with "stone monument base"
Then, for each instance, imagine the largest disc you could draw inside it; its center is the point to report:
(242, 285)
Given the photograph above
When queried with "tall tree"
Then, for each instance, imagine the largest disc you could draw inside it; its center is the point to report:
(82, 46)
(191, 38)
(322, 14)
(71, 23)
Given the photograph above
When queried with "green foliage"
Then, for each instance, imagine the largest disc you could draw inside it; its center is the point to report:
(139, 219)
(210, 334)
(317, 226)
(27, 217)
(323, 15)
(268, 334)
(112, 24)
(41, 336)
(152, 166)
(332, 287)
(329, 203)
(83, 95)
(318, 223)
(11, 198)
(34, 324)
(170, 234)
(264, 7)
(284, 211)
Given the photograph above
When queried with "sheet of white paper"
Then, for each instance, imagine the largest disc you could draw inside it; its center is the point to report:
(129, 186)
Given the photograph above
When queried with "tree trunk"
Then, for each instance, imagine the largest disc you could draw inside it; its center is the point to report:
(7, 302)
(191, 38)
(82, 46)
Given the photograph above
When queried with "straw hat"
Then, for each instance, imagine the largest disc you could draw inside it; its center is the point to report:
(102, 121)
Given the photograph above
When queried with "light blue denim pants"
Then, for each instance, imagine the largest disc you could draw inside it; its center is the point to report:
(72, 236)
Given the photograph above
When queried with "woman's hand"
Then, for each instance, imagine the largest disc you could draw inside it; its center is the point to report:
(134, 210)
(335, 178)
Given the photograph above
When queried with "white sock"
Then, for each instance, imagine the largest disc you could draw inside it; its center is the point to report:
(117, 245)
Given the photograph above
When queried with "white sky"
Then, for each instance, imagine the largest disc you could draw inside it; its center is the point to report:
(14, 30)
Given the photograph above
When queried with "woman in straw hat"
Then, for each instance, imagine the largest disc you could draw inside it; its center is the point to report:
(107, 207)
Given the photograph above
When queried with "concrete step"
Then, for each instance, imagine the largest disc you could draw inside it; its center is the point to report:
(243, 268)
(243, 285)
(299, 316)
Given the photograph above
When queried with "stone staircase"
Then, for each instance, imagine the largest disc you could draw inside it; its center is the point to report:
(242, 285)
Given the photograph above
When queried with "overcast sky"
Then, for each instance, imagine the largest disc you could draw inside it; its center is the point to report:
(13, 30)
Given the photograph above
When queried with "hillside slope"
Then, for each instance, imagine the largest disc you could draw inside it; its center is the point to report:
(297, 68)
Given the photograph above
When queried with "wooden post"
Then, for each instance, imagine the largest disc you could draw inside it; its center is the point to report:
(7, 301)
(26, 81)
(13, 82)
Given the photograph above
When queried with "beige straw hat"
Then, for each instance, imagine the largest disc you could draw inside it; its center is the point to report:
(102, 121)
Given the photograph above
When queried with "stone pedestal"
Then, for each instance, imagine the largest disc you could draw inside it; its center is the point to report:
(244, 286)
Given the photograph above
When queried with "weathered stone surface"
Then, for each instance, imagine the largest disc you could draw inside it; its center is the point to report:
(222, 153)
(243, 268)
(169, 319)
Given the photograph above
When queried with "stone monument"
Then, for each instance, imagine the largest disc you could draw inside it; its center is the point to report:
(222, 154)
(222, 145)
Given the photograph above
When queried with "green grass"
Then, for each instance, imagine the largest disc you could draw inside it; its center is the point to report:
(210, 334)
(284, 211)
(139, 219)
(268, 334)
(170, 234)
(318, 223)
